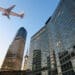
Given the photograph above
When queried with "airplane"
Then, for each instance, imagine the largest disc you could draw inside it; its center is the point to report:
(7, 12)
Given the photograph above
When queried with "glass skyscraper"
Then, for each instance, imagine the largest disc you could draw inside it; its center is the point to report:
(61, 29)
(57, 35)
(36, 63)
(39, 42)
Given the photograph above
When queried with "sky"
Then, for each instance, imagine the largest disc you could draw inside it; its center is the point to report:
(36, 14)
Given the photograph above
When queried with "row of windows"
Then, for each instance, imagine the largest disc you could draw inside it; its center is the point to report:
(63, 54)
(66, 66)
(72, 54)
(36, 62)
(36, 67)
(36, 55)
(67, 58)
(69, 73)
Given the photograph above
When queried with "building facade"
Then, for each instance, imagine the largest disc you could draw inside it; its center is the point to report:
(57, 35)
(14, 56)
(39, 42)
(67, 61)
(36, 63)
(61, 29)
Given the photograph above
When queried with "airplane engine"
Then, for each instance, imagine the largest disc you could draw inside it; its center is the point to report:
(4, 14)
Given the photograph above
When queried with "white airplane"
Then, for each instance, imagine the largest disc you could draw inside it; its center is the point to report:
(7, 12)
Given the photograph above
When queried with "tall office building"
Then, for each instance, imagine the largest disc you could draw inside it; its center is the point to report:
(57, 34)
(14, 56)
(61, 30)
(36, 63)
(67, 61)
(40, 41)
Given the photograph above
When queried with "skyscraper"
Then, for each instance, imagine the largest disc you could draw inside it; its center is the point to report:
(14, 56)
(58, 35)
(39, 43)
(36, 64)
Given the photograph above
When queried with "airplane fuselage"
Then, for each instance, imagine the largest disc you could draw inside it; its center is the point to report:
(6, 12)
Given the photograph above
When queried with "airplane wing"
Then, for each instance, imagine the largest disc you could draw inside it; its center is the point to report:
(15, 14)
(10, 8)
(2, 9)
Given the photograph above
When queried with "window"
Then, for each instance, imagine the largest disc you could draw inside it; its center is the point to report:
(72, 54)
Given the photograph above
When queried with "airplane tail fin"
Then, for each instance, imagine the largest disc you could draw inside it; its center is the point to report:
(21, 15)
